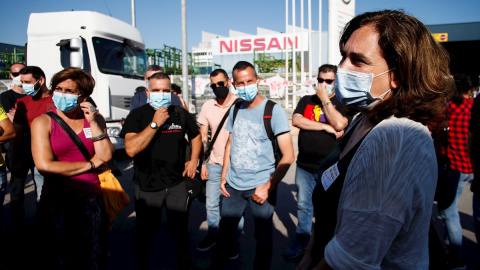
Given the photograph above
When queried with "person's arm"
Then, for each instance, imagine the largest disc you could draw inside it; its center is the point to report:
(204, 134)
(334, 117)
(286, 146)
(103, 148)
(137, 142)
(306, 124)
(7, 130)
(43, 154)
(191, 165)
(226, 162)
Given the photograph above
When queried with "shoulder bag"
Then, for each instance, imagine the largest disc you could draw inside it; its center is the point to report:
(114, 197)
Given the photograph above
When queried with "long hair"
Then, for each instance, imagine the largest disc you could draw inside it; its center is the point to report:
(420, 64)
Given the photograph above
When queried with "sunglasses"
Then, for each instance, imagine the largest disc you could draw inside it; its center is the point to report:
(219, 84)
(320, 80)
(15, 74)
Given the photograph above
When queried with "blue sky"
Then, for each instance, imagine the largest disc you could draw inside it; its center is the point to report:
(160, 21)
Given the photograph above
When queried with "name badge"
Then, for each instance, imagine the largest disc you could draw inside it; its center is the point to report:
(329, 176)
(88, 133)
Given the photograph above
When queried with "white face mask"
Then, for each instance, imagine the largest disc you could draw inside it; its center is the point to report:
(17, 81)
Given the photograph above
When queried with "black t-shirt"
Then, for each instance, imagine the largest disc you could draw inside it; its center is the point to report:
(9, 99)
(161, 163)
(314, 146)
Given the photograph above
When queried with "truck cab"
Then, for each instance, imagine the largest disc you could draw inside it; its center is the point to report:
(111, 50)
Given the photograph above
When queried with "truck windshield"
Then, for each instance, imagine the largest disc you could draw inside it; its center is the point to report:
(119, 58)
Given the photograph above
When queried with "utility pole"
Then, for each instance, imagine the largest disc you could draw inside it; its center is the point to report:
(184, 52)
(133, 13)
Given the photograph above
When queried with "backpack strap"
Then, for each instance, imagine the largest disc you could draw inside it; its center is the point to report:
(267, 119)
(220, 126)
(235, 111)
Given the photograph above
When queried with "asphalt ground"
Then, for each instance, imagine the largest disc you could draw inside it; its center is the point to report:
(16, 251)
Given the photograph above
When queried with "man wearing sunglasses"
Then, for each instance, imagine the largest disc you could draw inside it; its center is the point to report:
(9, 98)
(321, 121)
(210, 117)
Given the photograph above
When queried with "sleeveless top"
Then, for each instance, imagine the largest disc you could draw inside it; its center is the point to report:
(81, 186)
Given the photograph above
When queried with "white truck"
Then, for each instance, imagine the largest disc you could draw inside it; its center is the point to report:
(111, 50)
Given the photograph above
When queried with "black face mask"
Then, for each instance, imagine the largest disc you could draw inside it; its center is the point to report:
(220, 92)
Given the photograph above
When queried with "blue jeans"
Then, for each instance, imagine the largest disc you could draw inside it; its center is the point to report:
(231, 212)
(451, 217)
(214, 194)
(38, 180)
(305, 182)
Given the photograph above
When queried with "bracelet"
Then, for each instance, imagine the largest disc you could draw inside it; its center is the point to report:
(92, 166)
(326, 103)
(99, 137)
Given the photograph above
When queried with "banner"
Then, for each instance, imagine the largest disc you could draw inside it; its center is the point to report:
(263, 43)
(276, 85)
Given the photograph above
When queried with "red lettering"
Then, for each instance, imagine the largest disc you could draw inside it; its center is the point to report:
(289, 42)
(274, 43)
(245, 45)
(296, 42)
(259, 44)
(224, 44)
(236, 47)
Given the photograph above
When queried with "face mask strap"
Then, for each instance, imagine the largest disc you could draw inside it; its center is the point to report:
(383, 95)
(381, 73)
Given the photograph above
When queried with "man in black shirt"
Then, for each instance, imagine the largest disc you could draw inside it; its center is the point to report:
(155, 138)
(9, 98)
(321, 121)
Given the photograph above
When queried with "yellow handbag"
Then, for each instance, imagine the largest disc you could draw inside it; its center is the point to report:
(114, 197)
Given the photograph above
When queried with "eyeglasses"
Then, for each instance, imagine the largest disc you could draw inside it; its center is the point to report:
(15, 74)
(320, 80)
(219, 84)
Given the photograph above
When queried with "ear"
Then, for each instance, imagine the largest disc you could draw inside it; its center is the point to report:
(147, 92)
(81, 99)
(42, 81)
(394, 80)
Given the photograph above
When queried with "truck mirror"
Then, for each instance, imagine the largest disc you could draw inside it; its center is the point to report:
(76, 57)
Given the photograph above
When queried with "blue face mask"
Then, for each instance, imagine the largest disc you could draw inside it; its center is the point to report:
(330, 89)
(29, 89)
(248, 93)
(160, 99)
(64, 102)
(352, 89)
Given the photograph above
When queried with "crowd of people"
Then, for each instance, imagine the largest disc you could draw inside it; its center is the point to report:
(385, 129)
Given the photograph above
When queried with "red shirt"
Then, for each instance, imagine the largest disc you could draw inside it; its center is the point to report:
(28, 109)
(456, 146)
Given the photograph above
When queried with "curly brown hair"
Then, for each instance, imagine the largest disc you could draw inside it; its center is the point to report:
(84, 80)
(420, 65)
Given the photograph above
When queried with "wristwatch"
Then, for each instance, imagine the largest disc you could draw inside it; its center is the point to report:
(153, 125)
